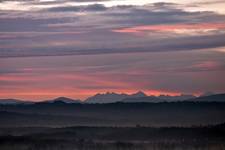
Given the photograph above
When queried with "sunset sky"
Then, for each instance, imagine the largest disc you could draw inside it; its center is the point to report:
(77, 48)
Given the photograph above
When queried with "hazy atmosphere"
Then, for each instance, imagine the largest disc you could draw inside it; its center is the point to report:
(51, 48)
(112, 75)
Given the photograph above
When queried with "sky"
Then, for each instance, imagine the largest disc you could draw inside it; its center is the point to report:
(77, 48)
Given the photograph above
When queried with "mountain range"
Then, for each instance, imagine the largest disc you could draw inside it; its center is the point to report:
(63, 99)
(14, 101)
(113, 97)
(125, 98)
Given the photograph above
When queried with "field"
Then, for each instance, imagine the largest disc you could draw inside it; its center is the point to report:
(113, 138)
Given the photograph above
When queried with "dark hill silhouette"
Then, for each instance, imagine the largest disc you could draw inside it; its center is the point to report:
(181, 97)
(15, 119)
(59, 99)
(157, 99)
(211, 98)
(115, 114)
(65, 100)
(147, 99)
(14, 101)
(154, 99)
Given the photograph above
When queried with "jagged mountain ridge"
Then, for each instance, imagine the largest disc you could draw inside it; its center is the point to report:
(132, 98)
(113, 97)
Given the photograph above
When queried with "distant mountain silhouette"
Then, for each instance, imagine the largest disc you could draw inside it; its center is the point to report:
(125, 98)
(59, 99)
(14, 101)
(211, 98)
(138, 94)
(64, 99)
(150, 99)
(167, 98)
(207, 94)
(181, 97)
(161, 98)
(112, 97)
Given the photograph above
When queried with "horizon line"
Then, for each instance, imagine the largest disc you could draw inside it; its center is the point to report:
(107, 92)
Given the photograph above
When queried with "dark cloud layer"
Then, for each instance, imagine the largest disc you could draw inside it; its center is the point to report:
(175, 44)
(94, 7)
(96, 21)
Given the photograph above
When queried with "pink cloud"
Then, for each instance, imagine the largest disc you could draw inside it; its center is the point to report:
(208, 65)
(170, 28)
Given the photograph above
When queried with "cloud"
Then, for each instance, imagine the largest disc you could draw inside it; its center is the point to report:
(94, 7)
(78, 30)
(172, 28)
(55, 1)
(211, 2)
(172, 72)
(165, 47)
(148, 45)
